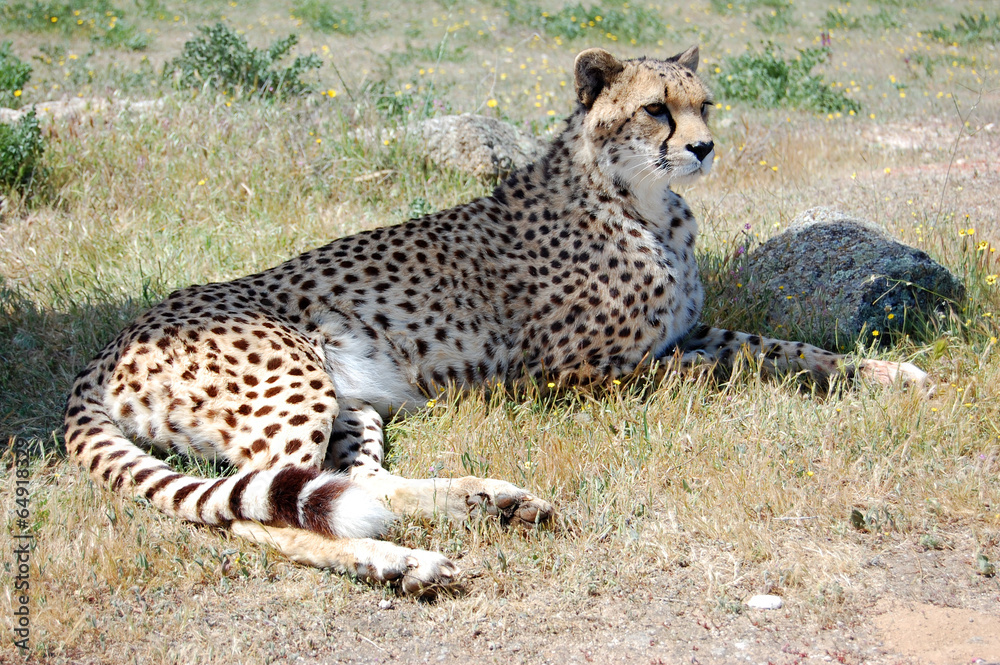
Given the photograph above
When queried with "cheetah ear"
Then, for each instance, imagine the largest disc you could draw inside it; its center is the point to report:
(688, 58)
(595, 68)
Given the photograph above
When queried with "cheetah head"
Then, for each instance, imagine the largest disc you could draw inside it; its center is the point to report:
(646, 120)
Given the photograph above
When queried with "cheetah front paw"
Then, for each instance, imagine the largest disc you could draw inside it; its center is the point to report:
(889, 373)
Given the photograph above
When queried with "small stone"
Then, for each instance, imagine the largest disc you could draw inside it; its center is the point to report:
(858, 520)
(765, 602)
(385, 604)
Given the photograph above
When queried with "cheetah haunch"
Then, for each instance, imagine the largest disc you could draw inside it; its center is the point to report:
(579, 267)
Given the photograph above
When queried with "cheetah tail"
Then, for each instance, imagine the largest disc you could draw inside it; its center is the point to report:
(307, 498)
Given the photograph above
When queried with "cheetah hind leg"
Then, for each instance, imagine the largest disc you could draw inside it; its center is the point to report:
(416, 572)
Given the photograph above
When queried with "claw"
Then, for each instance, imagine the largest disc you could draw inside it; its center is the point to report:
(481, 502)
(505, 501)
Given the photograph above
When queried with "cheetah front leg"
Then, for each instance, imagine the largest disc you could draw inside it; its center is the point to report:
(779, 356)
(356, 446)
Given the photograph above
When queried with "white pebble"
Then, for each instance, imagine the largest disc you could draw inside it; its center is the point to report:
(385, 604)
(764, 602)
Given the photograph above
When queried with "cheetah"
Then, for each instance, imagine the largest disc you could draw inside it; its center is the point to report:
(577, 269)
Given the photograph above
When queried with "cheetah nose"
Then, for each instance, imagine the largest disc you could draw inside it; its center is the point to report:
(701, 149)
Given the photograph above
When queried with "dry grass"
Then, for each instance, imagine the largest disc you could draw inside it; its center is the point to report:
(678, 498)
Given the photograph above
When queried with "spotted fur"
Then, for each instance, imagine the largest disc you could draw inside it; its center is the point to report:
(579, 268)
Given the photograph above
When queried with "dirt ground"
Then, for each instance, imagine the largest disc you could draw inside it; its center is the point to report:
(907, 606)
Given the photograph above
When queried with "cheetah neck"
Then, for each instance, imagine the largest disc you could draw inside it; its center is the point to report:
(569, 183)
(607, 279)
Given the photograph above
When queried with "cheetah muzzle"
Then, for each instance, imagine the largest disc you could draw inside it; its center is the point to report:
(578, 268)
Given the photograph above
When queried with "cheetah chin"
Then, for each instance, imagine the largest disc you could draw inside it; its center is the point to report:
(576, 269)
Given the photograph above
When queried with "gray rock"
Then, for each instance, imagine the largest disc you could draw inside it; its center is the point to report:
(830, 277)
(79, 108)
(478, 145)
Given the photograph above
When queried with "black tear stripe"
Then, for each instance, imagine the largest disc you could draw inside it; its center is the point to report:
(670, 117)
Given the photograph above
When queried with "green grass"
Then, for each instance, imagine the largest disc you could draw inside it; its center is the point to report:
(682, 494)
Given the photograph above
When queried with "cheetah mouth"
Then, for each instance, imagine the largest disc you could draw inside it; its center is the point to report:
(683, 169)
(651, 172)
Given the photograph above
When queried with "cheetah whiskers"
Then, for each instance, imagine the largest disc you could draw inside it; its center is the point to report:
(651, 172)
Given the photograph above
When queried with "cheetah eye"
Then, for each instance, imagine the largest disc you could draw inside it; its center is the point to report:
(705, 108)
(656, 110)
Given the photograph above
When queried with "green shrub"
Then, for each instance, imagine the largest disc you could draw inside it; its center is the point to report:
(13, 75)
(768, 80)
(21, 149)
(223, 60)
(969, 29)
(322, 17)
(621, 22)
